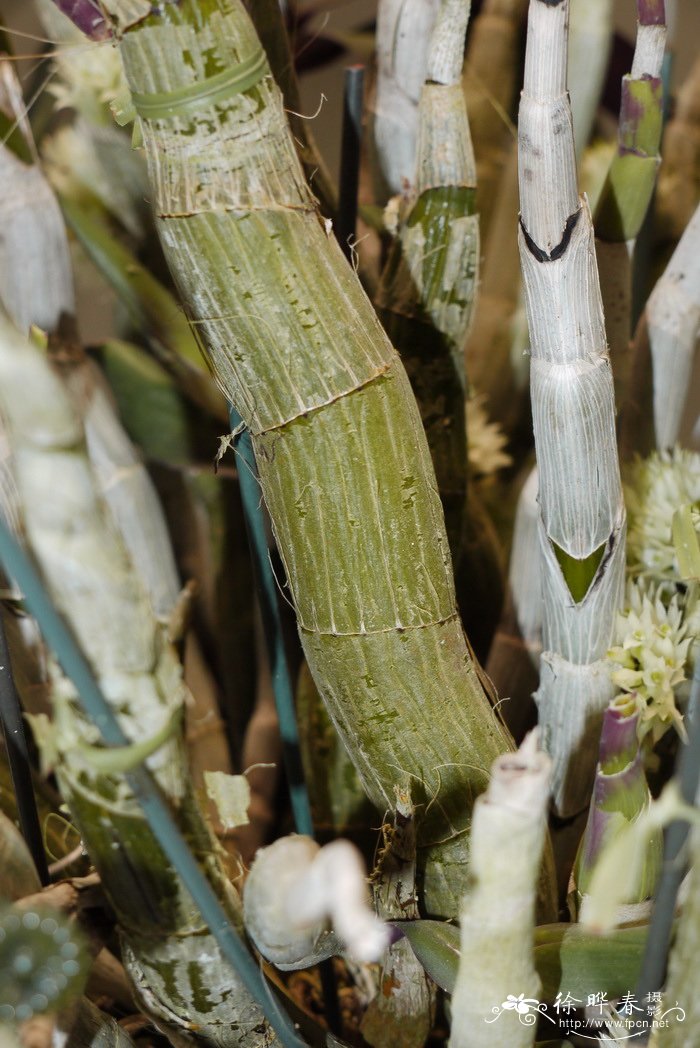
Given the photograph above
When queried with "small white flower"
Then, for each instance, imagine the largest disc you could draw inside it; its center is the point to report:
(89, 77)
(649, 659)
(656, 488)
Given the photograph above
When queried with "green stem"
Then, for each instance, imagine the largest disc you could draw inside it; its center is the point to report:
(344, 465)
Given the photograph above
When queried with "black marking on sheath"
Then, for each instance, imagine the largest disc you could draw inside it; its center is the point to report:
(551, 3)
(561, 247)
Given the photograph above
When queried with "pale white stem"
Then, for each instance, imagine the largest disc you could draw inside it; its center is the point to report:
(404, 29)
(498, 914)
(446, 55)
(127, 489)
(648, 51)
(615, 259)
(547, 169)
(673, 315)
(590, 40)
(580, 495)
(525, 573)
(113, 622)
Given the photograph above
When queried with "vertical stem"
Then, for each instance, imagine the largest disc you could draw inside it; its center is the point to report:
(582, 516)
(344, 466)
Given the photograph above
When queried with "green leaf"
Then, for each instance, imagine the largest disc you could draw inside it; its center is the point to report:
(111, 760)
(582, 963)
(436, 945)
(567, 957)
(685, 539)
(579, 574)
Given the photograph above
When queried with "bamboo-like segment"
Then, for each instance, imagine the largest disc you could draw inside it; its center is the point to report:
(582, 515)
(663, 351)
(172, 959)
(343, 461)
(125, 485)
(404, 29)
(490, 81)
(425, 300)
(498, 914)
(679, 177)
(629, 186)
(620, 795)
(120, 475)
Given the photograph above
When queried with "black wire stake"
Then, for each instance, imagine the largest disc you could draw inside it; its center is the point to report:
(18, 759)
(266, 587)
(655, 959)
(350, 157)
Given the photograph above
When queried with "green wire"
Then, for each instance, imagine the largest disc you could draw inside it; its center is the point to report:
(154, 806)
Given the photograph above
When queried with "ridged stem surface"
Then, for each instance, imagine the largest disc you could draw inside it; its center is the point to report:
(582, 516)
(343, 461)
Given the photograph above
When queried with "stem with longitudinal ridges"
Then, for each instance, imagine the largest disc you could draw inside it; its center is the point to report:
(664, 349)
(343, 461)
(498, 912)
(404, 28)
(582, 515)
(630, 182)
(426, 299)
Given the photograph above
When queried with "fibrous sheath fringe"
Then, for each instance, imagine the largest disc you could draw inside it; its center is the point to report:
(344, 466)
(581, 510)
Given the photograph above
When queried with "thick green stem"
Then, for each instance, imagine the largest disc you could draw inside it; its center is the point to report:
(344, 465)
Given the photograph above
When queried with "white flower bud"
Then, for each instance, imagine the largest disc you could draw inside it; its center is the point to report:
(295, 888)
